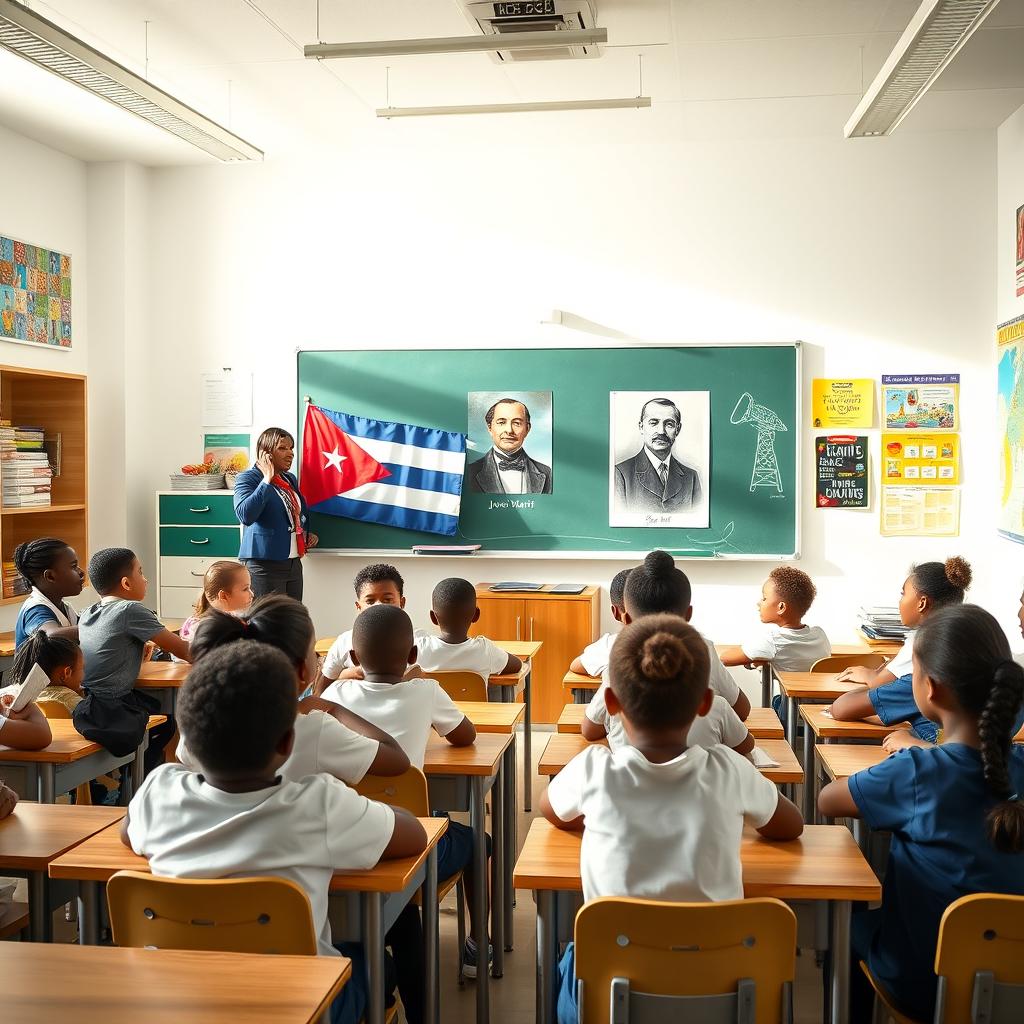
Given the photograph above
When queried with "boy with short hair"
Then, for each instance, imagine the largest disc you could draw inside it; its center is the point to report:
(787, 643)
(453, 610)
(239, 817)
(594, 659)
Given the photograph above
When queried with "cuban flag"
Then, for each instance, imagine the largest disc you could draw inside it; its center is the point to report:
(382, 472)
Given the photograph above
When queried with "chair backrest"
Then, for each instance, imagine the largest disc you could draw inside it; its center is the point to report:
(682, 959)
(981, 935)
(461, 685)
(837, 662)
(228, 915)
(53, 709)
(408, 790)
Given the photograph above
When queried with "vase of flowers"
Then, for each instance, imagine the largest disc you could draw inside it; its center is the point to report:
(232, 467)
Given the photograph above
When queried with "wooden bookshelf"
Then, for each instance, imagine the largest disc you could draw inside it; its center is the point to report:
(57, 402)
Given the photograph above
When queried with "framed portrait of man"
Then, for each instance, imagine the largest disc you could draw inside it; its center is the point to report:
(659, 458)
(510, 436)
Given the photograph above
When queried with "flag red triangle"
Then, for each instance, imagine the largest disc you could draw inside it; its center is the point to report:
(333, 462)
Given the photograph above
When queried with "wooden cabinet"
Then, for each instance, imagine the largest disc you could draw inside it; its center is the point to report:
(565, 623)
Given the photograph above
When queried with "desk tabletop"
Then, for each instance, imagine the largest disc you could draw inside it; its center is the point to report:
(578, 681)
(826, 727)
(103, 855)
(814, 685)
(823, 864)
(492, 716)
(7, 645)
(841, 760)
(35, 834)
(67, 745)
(520, 648)
(159, 674)
(480, 758)
(100, 984)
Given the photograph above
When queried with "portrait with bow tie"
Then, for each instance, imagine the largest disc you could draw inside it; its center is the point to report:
(659, 485)
(507, 468)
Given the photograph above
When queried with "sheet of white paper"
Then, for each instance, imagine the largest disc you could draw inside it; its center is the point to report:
(762, 760)
(226, 399)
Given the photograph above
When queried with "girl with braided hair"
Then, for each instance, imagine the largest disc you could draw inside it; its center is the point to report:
(955, 810)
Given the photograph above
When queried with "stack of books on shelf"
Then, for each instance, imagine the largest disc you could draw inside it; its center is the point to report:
(24, 468)
(882, 624)
(14, 585)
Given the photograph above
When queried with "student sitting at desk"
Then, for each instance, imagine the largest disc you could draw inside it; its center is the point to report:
(453, 610)
(227, 587)
(26, 729)
(662, 819)
(594, 659)
(241, 817)
(50, 567)
(954, 810)
(62, 661)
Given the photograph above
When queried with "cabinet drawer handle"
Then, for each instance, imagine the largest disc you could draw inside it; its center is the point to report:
(205, 540)
(198, 575)
(531, 627)
(205, 508)
(518, 637)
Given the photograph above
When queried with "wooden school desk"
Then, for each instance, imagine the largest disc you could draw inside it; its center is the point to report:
(166, 678)
(824, 864)
(563, 747)
(763, 723)
(34, 835)
(43, 984)
(834, 761)
(92, 863)
(70, 759)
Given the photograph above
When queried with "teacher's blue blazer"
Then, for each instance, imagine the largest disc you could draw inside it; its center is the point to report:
(265, 533)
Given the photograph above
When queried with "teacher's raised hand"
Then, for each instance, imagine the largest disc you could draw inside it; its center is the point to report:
(265, 464)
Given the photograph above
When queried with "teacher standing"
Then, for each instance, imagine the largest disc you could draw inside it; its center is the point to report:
(272, 511)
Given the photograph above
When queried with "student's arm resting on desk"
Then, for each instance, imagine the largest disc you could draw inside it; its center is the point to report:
(578, 667)
(173, 644)
(512, 666)
(390, 759)
(854, 706)
(746, 746)
(869, 677)
(733, 657)
(763, 806)
(836, 801)
(742, 706)
(408, 838)
(463, 735)
(786, 823)
(26, 729)
(594, 726)
(562, 802)
(575, 825)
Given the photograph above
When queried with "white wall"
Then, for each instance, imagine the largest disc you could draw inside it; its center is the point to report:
(878, 254)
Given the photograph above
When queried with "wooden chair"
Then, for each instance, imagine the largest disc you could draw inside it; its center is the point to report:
(645, 961)
(462, 685)
(409, 790)
(837, 662)
(53, 709)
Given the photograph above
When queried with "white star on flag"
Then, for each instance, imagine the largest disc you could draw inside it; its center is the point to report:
(334, 459)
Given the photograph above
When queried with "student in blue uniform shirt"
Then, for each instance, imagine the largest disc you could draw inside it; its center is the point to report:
(50, 567)
(954, 810)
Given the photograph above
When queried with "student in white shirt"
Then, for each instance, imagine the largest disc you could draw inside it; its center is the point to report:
(653, 588)
(594, 659)
(453, 609)
(786, 642)
(383, 647)
(328, 737)
(240, 817)
(662, 819)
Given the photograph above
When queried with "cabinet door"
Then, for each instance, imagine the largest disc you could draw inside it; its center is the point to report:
(500, 618)
(566, 628)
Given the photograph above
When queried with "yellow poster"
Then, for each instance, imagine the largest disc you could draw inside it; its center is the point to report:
(920, 511)
(932, 459)
(843, 403)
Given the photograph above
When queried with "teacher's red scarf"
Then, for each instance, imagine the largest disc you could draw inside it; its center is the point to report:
(293, 507)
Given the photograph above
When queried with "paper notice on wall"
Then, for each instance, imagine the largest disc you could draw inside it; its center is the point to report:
(230, 450)
(841, 462)
(932, 459)
(843, 403)
(226, 399)
(921, 401)
(920, 511)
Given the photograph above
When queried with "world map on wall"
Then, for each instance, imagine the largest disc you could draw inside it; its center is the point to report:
(1011, 434)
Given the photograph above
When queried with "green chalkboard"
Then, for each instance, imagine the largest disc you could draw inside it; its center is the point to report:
(754, 506)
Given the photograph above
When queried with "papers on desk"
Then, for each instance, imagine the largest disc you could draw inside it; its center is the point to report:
(826, 713)
(762, 760)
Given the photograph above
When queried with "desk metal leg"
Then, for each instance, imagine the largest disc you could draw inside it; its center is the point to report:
(431, 995)
(47, 784)
(841, 911)
(88, 913)
(373, 949)
(40, 918)
(766, 686)
(498, 823)
(479, 896)
(528, 740)
(547, 956)
(508, 780)
(792, 718)
(809, 772)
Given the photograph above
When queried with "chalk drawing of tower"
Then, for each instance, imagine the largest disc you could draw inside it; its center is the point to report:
(767, 424)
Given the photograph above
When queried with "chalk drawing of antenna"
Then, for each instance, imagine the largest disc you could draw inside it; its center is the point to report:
(767, 424)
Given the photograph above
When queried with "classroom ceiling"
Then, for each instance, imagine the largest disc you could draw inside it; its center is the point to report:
(715, 69)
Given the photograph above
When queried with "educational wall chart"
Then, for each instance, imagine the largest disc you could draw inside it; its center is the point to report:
(35, 294)
(1010, 412)
(921, 401)
(920, 511)
(843, 403)
(932, 459)
(841, 462)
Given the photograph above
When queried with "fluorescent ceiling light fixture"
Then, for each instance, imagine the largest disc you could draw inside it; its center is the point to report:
(459, 44)
(515, 108)
(933, 38)
(26, 34)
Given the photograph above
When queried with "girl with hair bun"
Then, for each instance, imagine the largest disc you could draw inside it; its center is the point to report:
(888, 693)
(664, 817)
(954, 810)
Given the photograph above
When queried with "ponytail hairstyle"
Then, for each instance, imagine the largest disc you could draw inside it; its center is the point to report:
(943, 583)
(656, 586)
(220, 576)
(34, 557)
(48, 652)
(963, 648)
(279, 621)
(659, 670)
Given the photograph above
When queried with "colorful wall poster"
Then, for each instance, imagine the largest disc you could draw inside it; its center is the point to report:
(921, 401)
(231, 450)
(843, 403)
(1020, 251)
(35, 294)
(932, 459)
(920, 511)
(1010, 434)
(841, 462)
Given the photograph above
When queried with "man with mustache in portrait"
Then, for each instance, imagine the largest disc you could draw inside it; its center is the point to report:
(652, 480)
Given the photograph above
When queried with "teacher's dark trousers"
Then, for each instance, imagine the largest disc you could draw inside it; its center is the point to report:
(275, 577)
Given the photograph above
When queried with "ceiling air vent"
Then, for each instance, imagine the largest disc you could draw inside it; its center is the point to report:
(524, 16)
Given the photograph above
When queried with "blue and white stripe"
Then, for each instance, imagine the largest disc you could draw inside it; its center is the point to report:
(424, 490)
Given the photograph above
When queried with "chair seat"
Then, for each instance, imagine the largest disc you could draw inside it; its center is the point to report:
(443, 888)
(883, 998)
(13, 919)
